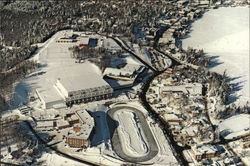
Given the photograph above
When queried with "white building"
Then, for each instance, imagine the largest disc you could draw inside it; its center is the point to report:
(129, 72)
(84, 87)
(72, 84)
(191, 88)
(51, 99)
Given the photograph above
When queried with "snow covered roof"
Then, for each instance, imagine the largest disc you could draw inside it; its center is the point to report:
(83, 40)
(61, 123)
(190, 130)
(110, 44)
(72, 117)
(127, 70)
(168, 117)
(85, 118)
(44, 124)
(73, 77)
(80, 78)
(49, 95)
(199, 150)
(193, 89)
(116, 84)
(87, 124)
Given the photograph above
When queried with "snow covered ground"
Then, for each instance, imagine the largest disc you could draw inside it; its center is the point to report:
(134, 132)
(235, 126)
(57, 62)
(52, 159)
(224, 34)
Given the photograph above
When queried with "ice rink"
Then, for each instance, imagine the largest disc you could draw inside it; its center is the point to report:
(132, 138)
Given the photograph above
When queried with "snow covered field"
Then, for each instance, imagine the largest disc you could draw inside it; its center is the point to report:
(52, 159)
(231, 127)
(57, 62)
(224, 34)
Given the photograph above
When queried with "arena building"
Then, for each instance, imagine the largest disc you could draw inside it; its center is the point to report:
(73, 84)
(83, 88)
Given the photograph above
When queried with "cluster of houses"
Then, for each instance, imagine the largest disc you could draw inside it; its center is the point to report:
(214, 155)
(178, 26)
(241, 147)
(159, 61)
(182, 107)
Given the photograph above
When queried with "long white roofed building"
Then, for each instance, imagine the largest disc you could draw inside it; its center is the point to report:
(73, 84)
(84, 87)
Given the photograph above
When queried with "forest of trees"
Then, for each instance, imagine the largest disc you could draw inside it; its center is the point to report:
(10, 58)
(99, 56)
(196, 57)
(34, 21)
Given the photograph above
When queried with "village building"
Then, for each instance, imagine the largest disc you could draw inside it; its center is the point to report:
(51, 99)
(73, 119)
(61, 124)
(206, 151)
(79, 136)
(190, 88)
(245, 142)
(128, 72)
(172, 118)
(45, 124)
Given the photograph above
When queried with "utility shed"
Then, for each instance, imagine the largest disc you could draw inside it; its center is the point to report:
(45, 124)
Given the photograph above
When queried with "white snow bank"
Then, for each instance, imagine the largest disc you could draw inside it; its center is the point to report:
(52, 159)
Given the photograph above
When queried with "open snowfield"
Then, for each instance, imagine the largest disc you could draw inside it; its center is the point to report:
(52, 159)
(56, 62)
(224, 34)
(133, 140)
(235, 126)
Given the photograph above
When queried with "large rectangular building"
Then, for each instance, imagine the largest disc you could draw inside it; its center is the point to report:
(71, 84)
(85, 87)
(50, 98)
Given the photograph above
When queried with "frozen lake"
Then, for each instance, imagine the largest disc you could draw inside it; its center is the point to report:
(224, 34)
